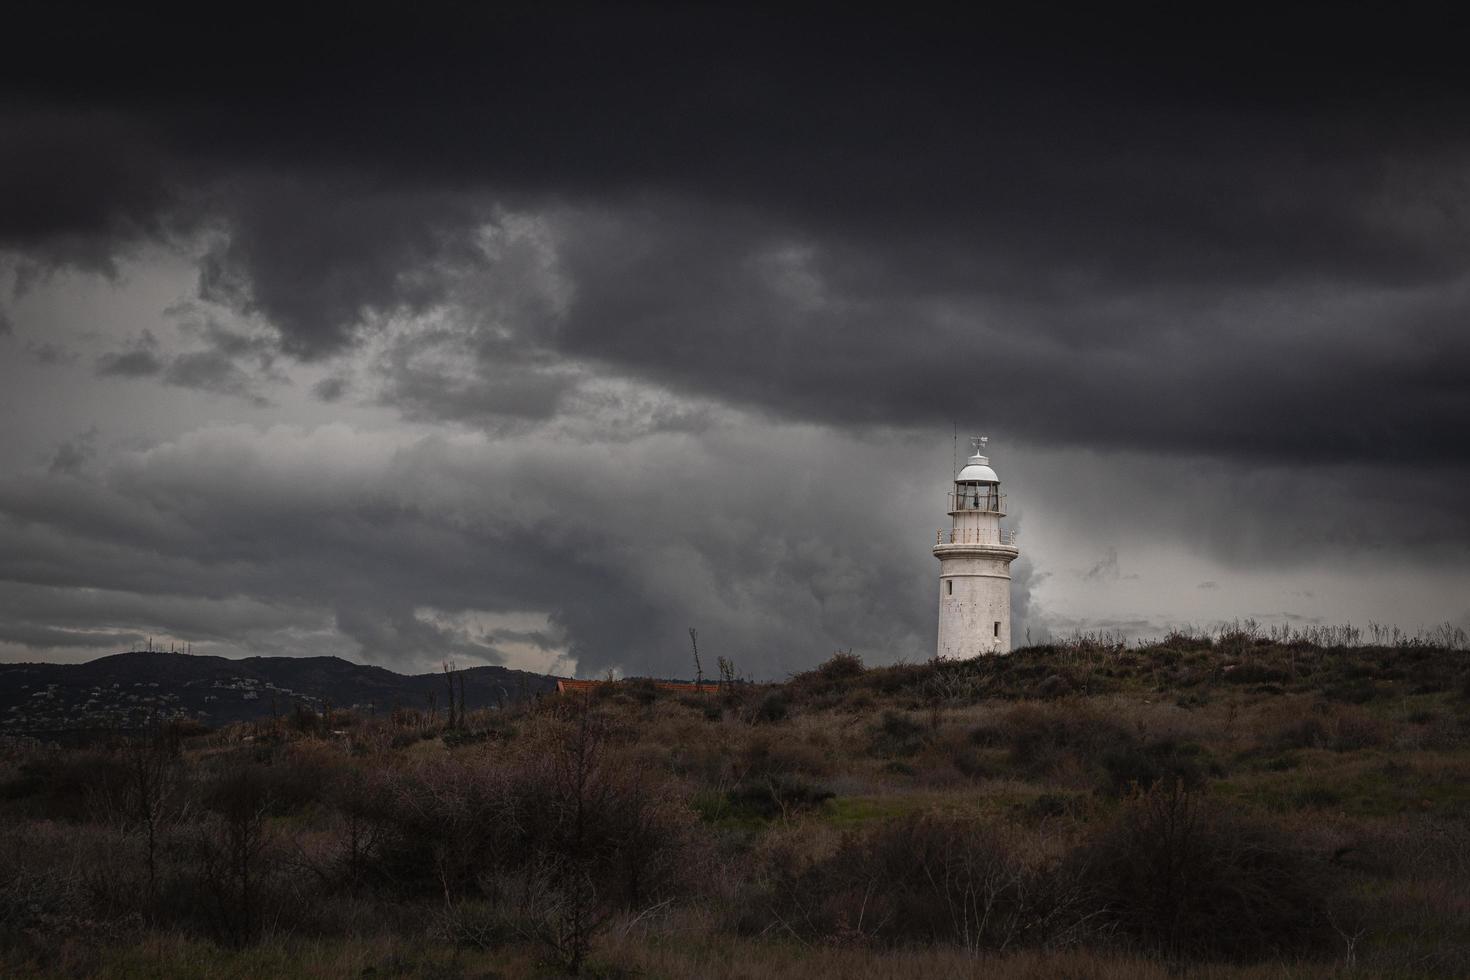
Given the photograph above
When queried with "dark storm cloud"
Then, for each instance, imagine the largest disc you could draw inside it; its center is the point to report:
(319, 260)
(80, 184)
(1255, 513)
(834, 333)
(845, 219)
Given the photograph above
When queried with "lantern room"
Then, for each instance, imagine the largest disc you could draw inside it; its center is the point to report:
(976, 487)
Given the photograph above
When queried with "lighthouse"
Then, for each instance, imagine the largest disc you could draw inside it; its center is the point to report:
(975, 555)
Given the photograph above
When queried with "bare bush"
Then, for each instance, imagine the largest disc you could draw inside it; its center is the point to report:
(228, 848)
(923, 879)
(1179, 876)
(147, 798)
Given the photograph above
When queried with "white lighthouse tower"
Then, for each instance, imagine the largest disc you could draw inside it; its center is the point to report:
(975, 555)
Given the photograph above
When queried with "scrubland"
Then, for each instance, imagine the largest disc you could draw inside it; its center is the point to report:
(1234, 805)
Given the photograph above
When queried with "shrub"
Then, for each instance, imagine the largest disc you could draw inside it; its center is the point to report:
(776, 795)
(1345, 729)
(297, 774)
(896, 735)
(1174, 875)
(1047, 806)
(920, 879)
(457, 738)
(1302, 733)
(971, 764)
(1041, 736)
(1315, 798)
(643, 690)
(771, 756)
(62, 785)
(1132, 766)
(772, 708)
(1357, 691)
(1186, 642)
(842, 666)
(1254, 673)
(1053, 687)
(1356, 729)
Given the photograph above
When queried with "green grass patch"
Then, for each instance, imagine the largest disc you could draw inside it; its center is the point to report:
(851, 811)
(1372, 787)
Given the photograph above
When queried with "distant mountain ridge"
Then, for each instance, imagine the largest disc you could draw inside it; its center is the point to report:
(122, 690)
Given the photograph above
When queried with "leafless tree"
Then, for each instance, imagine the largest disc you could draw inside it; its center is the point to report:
(727, 670)
(147, 800)
(449, 670)
(231, 846)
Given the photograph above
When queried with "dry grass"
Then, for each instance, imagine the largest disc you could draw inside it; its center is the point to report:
(755, 832)
(638, 953)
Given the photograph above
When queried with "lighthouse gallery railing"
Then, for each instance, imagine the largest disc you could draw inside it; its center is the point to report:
(975, 535)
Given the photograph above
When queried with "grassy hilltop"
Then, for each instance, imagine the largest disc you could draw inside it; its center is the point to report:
(1226, 806)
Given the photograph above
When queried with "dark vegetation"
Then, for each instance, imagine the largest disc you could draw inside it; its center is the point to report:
(1084, 809)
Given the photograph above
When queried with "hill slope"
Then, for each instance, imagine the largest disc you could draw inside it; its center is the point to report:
(123, 689)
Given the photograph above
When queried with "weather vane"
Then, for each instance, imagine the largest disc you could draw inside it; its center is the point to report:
(979, 443)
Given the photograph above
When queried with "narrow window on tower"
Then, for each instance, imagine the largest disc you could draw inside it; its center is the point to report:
(949, 586)
(997, 629)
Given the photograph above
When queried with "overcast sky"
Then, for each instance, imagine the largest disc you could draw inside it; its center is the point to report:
(539, 337)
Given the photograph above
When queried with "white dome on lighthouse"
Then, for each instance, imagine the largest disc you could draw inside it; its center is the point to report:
(977, 470)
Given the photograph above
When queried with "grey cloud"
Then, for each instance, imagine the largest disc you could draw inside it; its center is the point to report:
(1106, 569)
(330, 389)
(212, 370)
(1025, 613)
(50, 354)
(1287, 616)
(141, 363)
(386, 634)
(1208, 585)
(48, 616)
(1124, 628)
(75, 453)
(447, 375)
(40, 636)
(231, 363)
(621, 547)
(537, 638)
(322, 260)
